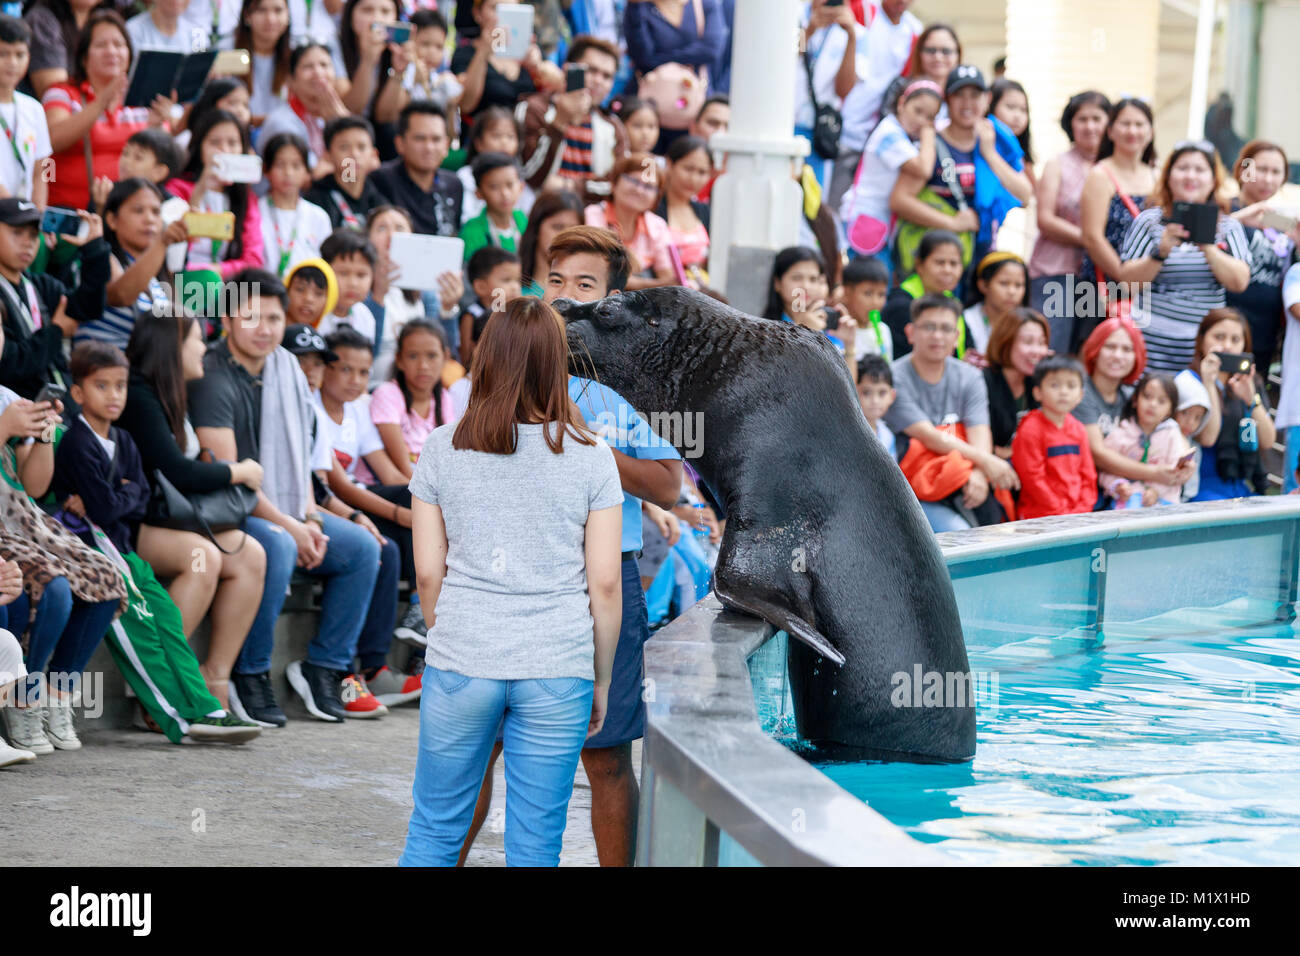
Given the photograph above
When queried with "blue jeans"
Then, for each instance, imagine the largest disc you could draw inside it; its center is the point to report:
(62, 638)
(544, 728)
(350, 568)
(377, 632)
(942, 518)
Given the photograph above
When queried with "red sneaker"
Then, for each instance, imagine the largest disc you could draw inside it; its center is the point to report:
(392, 688)
(357, 699)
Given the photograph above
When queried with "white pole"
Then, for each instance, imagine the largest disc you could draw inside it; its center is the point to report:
(756, 203)
(1201, 70)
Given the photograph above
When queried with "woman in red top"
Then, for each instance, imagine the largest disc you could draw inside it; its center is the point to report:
(89, 109)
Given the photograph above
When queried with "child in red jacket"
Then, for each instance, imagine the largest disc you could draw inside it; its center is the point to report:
(1050, 450)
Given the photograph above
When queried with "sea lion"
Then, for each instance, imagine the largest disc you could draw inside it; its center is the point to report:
(824, 538)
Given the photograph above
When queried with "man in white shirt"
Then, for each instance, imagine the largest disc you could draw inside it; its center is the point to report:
(165, 26)
(886, 43)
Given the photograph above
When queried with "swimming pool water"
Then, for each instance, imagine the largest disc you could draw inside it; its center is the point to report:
(1175, 740)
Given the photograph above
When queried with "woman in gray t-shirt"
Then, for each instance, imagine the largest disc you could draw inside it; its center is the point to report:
(517, 520)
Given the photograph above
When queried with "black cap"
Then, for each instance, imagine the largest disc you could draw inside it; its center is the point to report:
(302, 339)
(964, 76)
(18, 212)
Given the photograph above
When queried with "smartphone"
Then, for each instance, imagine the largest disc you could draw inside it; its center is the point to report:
(398, 32)
(63, 222)
(231, 63)
(832, 317)
(51, 393)
(575, 77)
(1200, 219)
(1186, 459)
(1235, 363)
(210, 225)
(834, 3)
(238, 167)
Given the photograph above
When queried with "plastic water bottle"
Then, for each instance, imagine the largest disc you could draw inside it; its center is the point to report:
(12, 10)
(700, 529)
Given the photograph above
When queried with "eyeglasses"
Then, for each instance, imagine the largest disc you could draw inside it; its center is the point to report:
(928, 328)
(939, 50)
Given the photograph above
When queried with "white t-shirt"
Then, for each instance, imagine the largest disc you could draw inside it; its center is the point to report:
(296, 231)
(145, 35)
(199, 14)
(977, 324)
(319, 25)
(888, 148)
(887, 48)
(825, 50)
(1288, 406)
(865, 342)
(30, 135)
(352, 439)
(263, 98)
(359, 317)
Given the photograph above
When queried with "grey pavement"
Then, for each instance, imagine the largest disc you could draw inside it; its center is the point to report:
(310, 794)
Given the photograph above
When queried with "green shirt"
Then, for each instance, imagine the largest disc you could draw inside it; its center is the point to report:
(479, 232)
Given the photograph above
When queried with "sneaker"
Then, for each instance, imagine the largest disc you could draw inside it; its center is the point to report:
(411, 629)
(227, 730)
(358, 701)
(26, 729)
(392, 688)
(319, 689)
(10, 754)
(252, 699)
(58, 723)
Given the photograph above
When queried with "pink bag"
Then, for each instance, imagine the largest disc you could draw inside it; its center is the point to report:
(677, 90)
(867, 235)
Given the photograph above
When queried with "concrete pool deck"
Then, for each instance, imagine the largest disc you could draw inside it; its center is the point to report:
(310, 794)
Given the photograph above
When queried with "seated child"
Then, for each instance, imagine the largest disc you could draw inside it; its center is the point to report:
(312, 290)
(1193, 407)
(352, 257)
(1050, 450)
(876, 393)
(866, 285)
(149, 154)
(99, 478)
(500, 224)
(1147, 432)
(348, 194)
(414, 402)
(426, 76)
(495, 276)
(292, 228)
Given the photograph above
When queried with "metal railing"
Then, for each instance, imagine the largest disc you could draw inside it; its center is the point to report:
(712, 777)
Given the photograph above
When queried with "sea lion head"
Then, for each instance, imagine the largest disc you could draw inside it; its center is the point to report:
(628, 341)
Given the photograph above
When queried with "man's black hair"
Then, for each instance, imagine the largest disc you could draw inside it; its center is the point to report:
(933, 300)
(159, 142)
(424, 19)
(13, 30)
(424, 107)
(311, 274)
(259, 283)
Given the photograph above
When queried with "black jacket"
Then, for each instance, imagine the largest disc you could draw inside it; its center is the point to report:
(147, 423)
(31, 358)
(115, 492)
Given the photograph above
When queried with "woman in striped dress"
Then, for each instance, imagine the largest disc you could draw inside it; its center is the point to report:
(1186, 280)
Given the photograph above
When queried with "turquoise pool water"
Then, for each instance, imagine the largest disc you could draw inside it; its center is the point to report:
(1174, 740)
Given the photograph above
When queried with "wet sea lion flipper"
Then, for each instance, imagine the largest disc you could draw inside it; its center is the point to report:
(779, 617)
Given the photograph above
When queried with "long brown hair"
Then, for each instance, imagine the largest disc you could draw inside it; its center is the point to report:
(1213, 318)
(283, 47)
(519, 375)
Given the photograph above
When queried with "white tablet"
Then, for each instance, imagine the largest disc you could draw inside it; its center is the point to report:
(515, 21)
(422, 259)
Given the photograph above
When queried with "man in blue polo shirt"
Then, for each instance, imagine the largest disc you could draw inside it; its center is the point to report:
(587, 264)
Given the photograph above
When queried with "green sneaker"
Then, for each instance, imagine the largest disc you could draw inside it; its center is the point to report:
(226, 730)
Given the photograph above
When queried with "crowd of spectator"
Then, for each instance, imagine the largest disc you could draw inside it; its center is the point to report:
(177, 450)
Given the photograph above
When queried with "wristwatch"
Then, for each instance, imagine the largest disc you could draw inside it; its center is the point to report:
(317, 519)
(355, 515)
(1157, 256)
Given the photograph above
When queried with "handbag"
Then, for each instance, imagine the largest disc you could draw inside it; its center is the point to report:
(208, 513)
(827, 121)
(1119, 307)
(676, 90)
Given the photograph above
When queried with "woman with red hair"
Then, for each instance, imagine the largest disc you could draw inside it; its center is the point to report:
(1115, 356)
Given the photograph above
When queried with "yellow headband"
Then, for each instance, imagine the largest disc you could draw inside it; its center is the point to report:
(993, 258)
